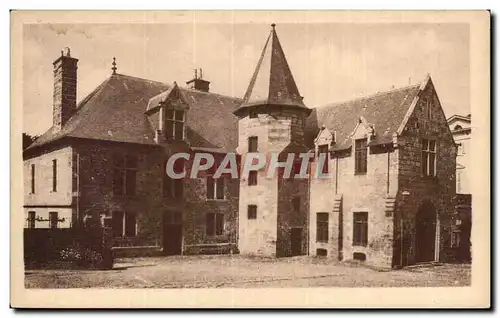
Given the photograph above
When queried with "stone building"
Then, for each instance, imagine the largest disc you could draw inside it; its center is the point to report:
(460, 127)
(386, 195)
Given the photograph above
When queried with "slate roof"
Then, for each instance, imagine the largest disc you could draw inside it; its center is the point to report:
(385, 111)
(272, 82)
(114, 111)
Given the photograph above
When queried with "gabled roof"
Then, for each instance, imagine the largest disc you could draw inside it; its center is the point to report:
(156, 101)
(272, 82)
(114, 111)
(384, 111)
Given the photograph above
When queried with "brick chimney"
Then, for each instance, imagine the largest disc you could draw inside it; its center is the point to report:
(198, 83)
(64, 88)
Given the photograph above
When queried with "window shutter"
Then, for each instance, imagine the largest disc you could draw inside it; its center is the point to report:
(130, 224)
(210, 224)
(220, 188)
(210, 187)
(117, 219)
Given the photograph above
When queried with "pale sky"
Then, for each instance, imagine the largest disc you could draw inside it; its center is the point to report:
(330, 62)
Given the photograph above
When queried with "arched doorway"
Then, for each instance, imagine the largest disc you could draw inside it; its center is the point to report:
(425, 236)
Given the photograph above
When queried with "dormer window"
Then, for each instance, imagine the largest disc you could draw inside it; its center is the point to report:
(174, 124)
(360, 156)
(324, 149)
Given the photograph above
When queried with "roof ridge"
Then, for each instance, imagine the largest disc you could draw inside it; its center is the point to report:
(209, 93)
(183, 88)
(369, 96)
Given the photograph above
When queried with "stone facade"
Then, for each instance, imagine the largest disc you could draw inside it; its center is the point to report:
(415, 189)
(85, 190)
(268, 233)
(392, 191)
(389, 213)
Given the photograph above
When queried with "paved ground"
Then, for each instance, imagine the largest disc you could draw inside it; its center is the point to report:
(238, 271)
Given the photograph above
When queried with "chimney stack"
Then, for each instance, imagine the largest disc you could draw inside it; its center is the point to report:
(64, 88)
(198, 83)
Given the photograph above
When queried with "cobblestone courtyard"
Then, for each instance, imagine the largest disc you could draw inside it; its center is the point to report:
(238, 271)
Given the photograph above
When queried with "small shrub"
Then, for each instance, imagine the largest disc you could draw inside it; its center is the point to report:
(82, 257)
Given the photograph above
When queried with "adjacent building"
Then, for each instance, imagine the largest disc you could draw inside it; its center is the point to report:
(386, 195)
(460, 127)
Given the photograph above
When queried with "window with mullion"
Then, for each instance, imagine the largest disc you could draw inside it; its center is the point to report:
(174, 124)
(428, 161)
(124, 175)
(215, 188)
(214, 224)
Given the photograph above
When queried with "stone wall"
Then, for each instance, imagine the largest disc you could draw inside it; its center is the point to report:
(439, 190)
(343, 192)
(289, 217)
(275, 132)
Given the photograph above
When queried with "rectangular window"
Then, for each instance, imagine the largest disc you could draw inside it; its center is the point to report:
(360, 229)
(428, 162)
(252, 212)
(215, 188)
(173, 188)
(31, 219)
(54, 175)
(32, 178)
(214, 224)
(360, 156)
(324, 149)
(253, 143)
(53, 220)
(252, 178)
(117, 227)
(130, 225)
(124, 175)
(174, 124)
(322, 227)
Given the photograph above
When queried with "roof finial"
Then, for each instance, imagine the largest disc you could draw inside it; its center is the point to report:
(273, 26)
(114, 68)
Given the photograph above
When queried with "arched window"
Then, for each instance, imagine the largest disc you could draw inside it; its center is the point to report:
(457, 127)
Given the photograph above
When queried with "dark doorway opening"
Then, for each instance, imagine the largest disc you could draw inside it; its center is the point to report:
(172, 233)
(426, 221)
(296, 241)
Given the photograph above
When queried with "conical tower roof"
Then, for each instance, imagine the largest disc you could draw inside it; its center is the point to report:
(272, 82)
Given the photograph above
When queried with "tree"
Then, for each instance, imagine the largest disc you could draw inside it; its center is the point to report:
(28, 140)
